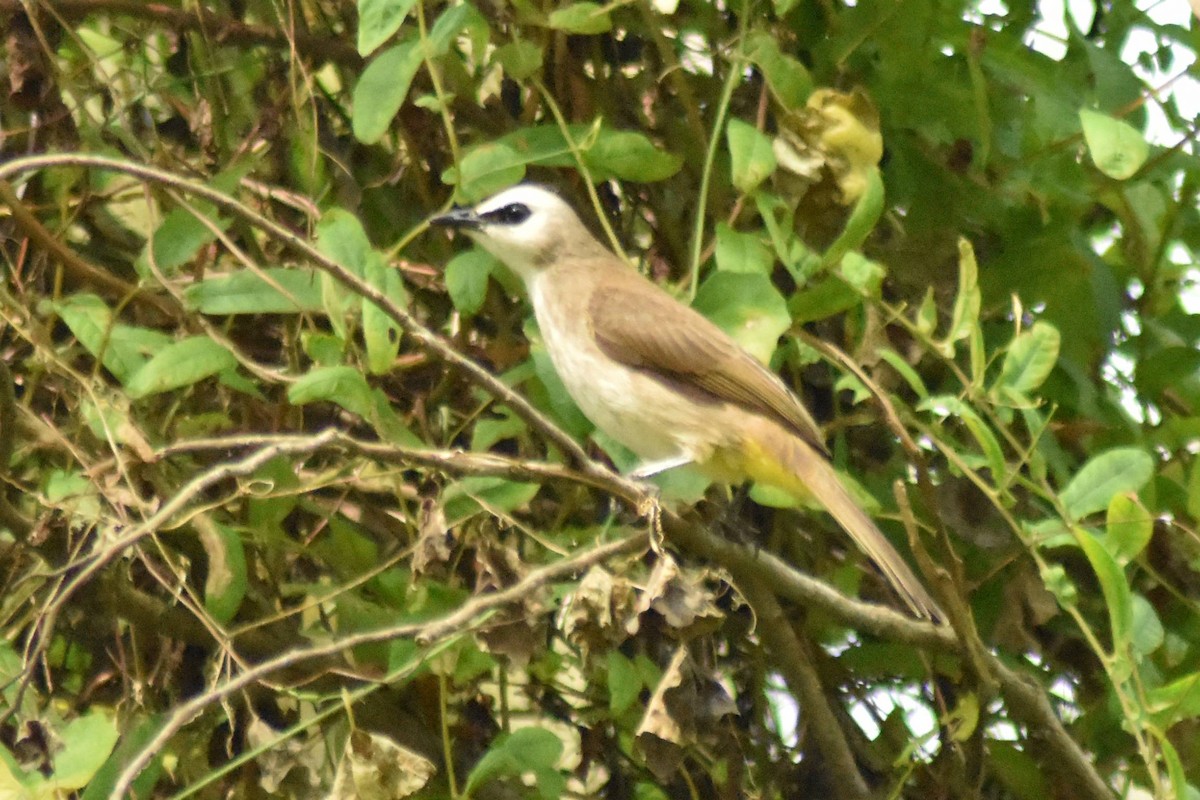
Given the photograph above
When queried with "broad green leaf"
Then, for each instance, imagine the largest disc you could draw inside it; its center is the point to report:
(122, 349)
(276, 291)
(136, 733)
(1125, 469)
(582, 17)
(630, 156)
(1145, 628)
(342, 385)
(527, 750)
(384, 84)
(751, 156)
(1118, 149)
(862, 274)
(180, 364)
(1176, 701)
(608, 153)
(624, 683)
(177, 241)
(486, 170)
(86, 742)
(382, 88)
(1113, 585)
(787, 78)
(520, 59)
(1128, 527)
(741, 252)
(226, 583)
(467, 497)
(341, 237)
(830, 296)
(467, 280)
(378, 20)
(862, 219)
(748, 307)
(380, 332)
(1030, 358)
(965, 317)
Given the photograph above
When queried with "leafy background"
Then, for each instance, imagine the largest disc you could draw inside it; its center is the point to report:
(293, 504)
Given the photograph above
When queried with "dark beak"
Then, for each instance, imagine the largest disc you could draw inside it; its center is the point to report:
(456, 218)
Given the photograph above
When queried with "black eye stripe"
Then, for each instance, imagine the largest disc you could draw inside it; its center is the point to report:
(511, 214)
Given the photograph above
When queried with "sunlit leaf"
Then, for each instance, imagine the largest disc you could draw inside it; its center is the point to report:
(1118, 149)
(752, 158)
(1124, 469)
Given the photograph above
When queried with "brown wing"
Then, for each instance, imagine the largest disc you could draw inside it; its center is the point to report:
(640, 325)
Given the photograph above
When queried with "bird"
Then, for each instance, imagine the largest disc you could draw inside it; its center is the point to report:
(659, 377)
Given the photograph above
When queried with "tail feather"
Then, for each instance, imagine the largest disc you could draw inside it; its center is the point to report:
(798, 468)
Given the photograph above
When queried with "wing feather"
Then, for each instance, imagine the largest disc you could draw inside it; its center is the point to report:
(641, 326)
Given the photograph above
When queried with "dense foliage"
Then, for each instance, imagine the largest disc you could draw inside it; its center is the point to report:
(294, 505)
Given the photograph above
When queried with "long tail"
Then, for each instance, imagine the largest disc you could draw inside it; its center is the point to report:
(786, 461)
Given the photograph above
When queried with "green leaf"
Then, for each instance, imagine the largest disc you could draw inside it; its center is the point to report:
(1128, 527)
(751, 155)
(486, 170)
(1030, 358)
(528, 750)
(378, 20)
(276, 290)
(608, 153)
(1125, 469)
(342, 385)
(965, 317)
(135, 735)
(180, 364)
(861, 222)
(742, 252)
(122, 349)
(980, 431)
(787, 78)
(629, 156)
(520, 59)
(748, 307)
(341, 237)
(906, 371)
(467, 497)
(1145, 627)
(178, 239)
(226, 583)
(467, 280)
(586, 18)
(380, 332)
(1112, 584)
(1118, 149)
(1177, 701)
(829, 297)
(86, 742)
(382, 88)
(624, 683)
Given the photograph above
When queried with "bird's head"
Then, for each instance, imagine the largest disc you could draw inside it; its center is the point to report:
(527, 226)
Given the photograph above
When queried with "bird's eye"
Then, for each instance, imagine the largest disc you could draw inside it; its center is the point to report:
(511, 214)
